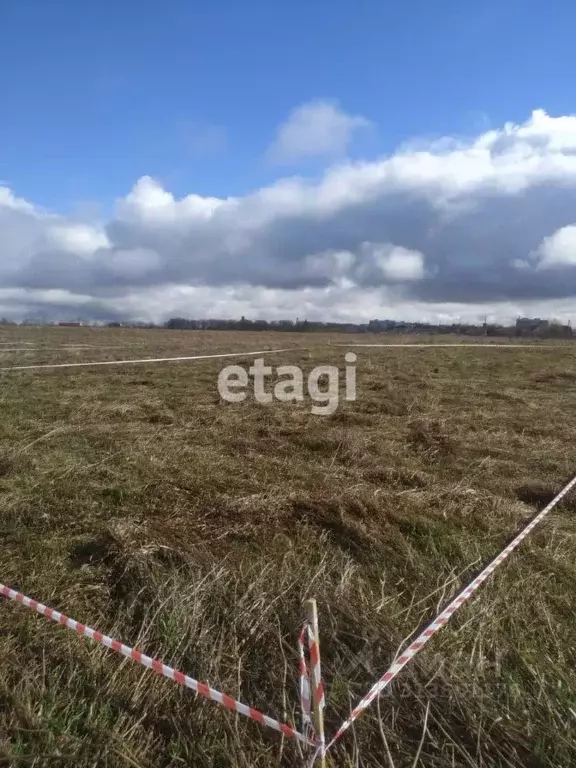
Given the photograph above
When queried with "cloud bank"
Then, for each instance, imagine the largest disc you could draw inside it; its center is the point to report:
(450, 229)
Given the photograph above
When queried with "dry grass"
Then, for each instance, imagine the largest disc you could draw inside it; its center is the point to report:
(136, 501)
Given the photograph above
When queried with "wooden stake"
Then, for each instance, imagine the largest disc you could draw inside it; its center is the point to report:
(317, 713)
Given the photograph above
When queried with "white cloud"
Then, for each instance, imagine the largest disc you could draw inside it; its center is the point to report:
(318, 128)
(342, 303)
(81, 239)
(396, 263)
(559, 249)
(433, 229)
(9, 200)
(148, 203)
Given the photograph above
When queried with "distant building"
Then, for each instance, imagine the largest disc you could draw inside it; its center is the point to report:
(70, 325)
(529, 325)
(534, 326)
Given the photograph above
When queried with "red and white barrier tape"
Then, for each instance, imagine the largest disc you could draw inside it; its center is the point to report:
(157, 666)
(316, 671)
(305, 699)
(307, 636)
(444, 616)
(210, 693)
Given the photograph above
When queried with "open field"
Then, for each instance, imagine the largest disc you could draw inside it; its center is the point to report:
(137, 501)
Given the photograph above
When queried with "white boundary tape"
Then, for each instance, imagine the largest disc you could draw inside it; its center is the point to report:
(480, 345)
(148, 360)
(443, 617)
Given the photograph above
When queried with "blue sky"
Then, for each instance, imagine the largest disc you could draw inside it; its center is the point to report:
(284, 160)
(97, 94)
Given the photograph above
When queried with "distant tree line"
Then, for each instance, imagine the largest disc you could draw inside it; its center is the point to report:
(524, 327)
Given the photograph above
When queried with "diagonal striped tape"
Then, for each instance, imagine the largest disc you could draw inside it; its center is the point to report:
(304, 675)
(307, 636)
(444, 616)
(316, 671)
(157, 666)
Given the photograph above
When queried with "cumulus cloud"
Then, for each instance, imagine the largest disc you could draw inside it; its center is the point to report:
(396, 263)
(80, 239)
(447, 229)
(559, 249)
(318, 128)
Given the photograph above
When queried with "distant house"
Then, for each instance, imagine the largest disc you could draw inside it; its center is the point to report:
(70, 325)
